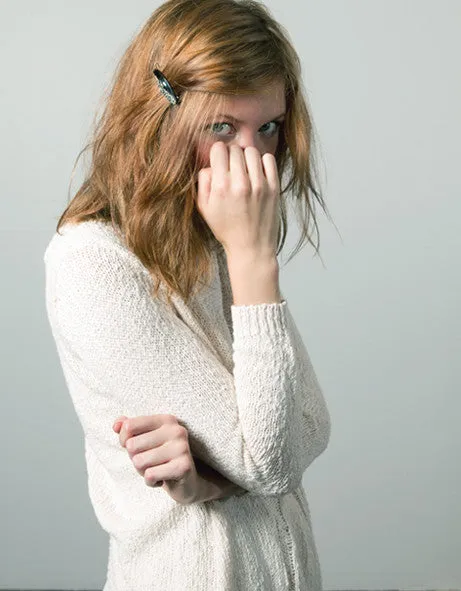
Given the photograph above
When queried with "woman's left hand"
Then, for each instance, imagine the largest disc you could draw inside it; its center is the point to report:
(159, 449)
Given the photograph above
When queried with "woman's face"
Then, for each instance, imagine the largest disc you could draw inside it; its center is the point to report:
(247, 121)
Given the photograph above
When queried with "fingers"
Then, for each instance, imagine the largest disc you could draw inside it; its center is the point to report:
(139, 443)
(142, 424)
(219, 160)
(204, 185)
(118, 424)
(237, 162)
(270, 170)
(161, 454)
(158, 454)
(243, 165)
(255, 169)
(178, 469)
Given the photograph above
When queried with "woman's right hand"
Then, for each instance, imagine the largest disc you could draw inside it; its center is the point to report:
(201, 483)
(158, 446)
(238, 198)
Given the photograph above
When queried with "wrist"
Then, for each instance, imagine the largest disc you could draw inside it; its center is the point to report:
(212, 485)
(254, 279)
(207, 489)
(265, 261)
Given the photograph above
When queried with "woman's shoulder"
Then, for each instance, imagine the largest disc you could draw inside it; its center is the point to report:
(89, 236)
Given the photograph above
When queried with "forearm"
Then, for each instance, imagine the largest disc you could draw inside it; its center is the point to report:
(254, 278)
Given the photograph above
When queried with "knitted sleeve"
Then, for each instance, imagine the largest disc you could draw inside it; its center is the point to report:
(260, 427)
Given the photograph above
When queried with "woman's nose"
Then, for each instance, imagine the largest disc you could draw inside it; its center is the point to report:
(248, 140)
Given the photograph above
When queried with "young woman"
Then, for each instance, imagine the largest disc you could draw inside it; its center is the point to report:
(199, 405)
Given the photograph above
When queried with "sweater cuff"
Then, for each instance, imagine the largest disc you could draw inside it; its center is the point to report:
(254, 319)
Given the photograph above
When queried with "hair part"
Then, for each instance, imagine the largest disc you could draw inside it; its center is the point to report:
(144, 167)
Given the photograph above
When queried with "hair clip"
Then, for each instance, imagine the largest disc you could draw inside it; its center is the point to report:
(165, 88)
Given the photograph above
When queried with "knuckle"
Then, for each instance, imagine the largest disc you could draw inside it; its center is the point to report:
(242, 186)
(138, 461)
(149, 476)
(128, 426)
(171, 419)
(258, 189)
(181, 432)
(183, 447)
(220, 184)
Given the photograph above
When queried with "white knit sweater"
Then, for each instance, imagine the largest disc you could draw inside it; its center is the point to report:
(237, 377)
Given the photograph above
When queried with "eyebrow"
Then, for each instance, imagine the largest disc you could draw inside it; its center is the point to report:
(225, 116)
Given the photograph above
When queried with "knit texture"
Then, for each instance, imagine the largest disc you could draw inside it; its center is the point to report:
(239, 378)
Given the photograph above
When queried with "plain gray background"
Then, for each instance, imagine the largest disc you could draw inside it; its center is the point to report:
(381, 320)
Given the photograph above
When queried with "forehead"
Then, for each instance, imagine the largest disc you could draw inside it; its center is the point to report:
(268, 103)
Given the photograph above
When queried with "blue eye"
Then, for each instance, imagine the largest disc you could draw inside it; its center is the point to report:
(277, 126)
(217, 127)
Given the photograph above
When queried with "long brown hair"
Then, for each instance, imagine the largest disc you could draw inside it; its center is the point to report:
(144, 167)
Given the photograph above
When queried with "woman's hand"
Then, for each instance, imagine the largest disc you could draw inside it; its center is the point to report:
(238, 198)
(159, 449)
